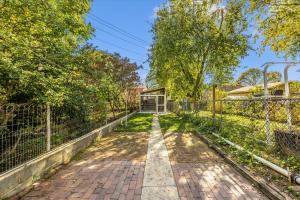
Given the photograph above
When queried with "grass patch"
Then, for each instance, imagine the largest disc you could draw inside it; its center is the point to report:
(174, 123)
(140, 122)
(249, 135)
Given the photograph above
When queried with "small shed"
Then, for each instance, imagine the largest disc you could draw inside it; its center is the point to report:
(153, 101)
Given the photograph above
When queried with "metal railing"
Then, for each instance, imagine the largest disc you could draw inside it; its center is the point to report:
(27, 131)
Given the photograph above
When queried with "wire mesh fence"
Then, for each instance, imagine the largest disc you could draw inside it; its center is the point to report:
(22, 134)
(27, 131)
(269, 127)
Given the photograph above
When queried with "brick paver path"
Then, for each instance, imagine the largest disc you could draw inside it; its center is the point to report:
(201, 174)
(114, 168)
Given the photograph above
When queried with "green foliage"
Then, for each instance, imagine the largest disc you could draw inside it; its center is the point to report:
(138, 123)
(118, 78)
(44, 58)
(254, 76)
(274, 77)
(40, 48)
(194, 42)
(248, 133)
(279, 24)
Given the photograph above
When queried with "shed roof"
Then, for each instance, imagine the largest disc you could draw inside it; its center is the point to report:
(153, 90)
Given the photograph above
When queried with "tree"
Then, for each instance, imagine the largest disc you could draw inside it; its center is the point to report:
(193, 41)
(254, 76)
(118, 77)
(251, 77)
(44, 57)
(279, 24)
(40, 47)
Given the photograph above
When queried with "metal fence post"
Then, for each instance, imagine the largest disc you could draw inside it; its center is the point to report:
(48, 124)
(287, 95)
(221, 113)
(289, 114)
(214, 106)
(268, 135)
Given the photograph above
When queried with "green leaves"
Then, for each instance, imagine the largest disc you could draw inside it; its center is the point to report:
(279, 23)
(196, 42)
(254, 76)
(38, 47)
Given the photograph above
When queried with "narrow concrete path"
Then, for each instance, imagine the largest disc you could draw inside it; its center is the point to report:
(159, 182)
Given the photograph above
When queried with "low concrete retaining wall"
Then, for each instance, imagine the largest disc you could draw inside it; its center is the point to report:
(23, 176)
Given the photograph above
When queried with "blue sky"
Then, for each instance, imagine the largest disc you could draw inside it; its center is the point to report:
(136, 17)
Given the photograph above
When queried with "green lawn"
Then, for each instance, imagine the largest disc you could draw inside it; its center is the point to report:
(174, 123)
(140, 122)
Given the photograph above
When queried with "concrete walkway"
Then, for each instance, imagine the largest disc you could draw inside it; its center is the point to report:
(159, 182)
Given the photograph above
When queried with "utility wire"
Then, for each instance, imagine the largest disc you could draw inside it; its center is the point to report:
(117, 46)
(111, 34)
(115, 28)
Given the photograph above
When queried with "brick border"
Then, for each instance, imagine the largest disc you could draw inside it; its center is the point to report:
(270, 191)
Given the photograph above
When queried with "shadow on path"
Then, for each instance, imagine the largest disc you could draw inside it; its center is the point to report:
(112, 168)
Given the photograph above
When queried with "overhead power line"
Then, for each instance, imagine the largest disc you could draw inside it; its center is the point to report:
(117, 46)
(120, 38)
(117, 29)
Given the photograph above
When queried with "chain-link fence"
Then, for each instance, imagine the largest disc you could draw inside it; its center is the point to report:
(27, 131)
(269, 127)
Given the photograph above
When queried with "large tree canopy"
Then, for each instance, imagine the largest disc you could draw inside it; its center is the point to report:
(194, 41)
(40, 48)
(44, 57)
(279, 25)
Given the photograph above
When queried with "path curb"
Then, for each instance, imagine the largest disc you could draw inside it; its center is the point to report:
(270, 191)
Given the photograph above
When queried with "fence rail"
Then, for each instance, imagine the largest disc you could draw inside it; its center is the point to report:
(27, 131)
(269, 127)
